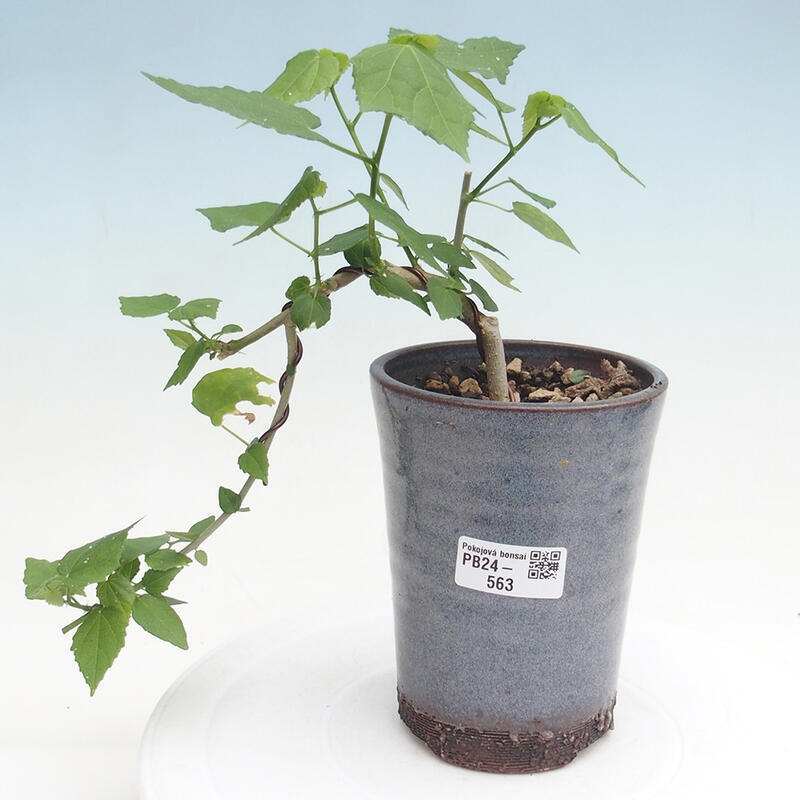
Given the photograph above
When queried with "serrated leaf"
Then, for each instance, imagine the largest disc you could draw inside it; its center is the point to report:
(576, 121)
(158, 618)
(483, 296)
(310, 310)
(186, 363)
(43, 581)
(181, 339)
(224, 218)
(156, 581)
(217, 393)
(166, 559)
(488, 56)
(256, 107)
(308, 187)
(542, 201)
(308, 74)
(387, 284)
(254, 461)
(204, 307)
(229, 501)
(142, 545)
(541, 222)
(495, 270)
(406, 80)
(150, 306)
(446, 299)
(92, 562)
(97, 642)
(116, 592)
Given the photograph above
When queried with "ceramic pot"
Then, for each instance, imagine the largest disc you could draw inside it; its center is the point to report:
(512, 532)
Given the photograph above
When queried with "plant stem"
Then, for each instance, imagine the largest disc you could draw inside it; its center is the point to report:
(463, 204)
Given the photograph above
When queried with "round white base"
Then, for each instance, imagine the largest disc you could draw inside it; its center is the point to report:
(312, 714)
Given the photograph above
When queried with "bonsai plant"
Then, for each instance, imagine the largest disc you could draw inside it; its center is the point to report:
(431, 83)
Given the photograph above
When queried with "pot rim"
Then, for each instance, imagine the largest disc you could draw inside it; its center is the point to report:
(655, 378)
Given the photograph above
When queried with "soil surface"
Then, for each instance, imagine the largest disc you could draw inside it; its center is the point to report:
(529, 384)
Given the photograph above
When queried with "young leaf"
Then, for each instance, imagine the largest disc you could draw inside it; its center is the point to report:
(392, 185)
(405, 79)
(186, 363)
(387, 284)
(308, 187)
(205, 307)
(165, 559)
(223, 218)
(156, 581)
(92, 562)
(201, 557)
(254, 461)
(116, 592)
(495, 270)
(229, 501)
(308, 74)
(97, 642)
(43, 581)
(256, 107)
(539, 106)
(541, 222)
(226, 329)
(181, 339)
(158, 618)
(217, 393)
(576, 121)
(150, 306)
(446, 299)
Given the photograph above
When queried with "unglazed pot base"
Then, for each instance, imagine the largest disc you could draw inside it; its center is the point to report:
(501, 751)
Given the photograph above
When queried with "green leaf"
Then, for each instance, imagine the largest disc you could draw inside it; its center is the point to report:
(488, 56)
(181, 339)
(97, 642)
(158, 618)
(224, 218)
(156, 581)
(142, 545)
(483, 296)
(201, 557)
(226, 329)
(193, 532)
(229, 501)
(254, 461)
(387, 284)
(486, 245)
(392, 185)
(256, 107)
(542, 201)
(365, 254)
(205, 307)
(116, 592)
(446, 299)
(308, 187)
(92, 562)
(578, 375)
(217, 393)
(477, 85)
(342, 241)
(298, 287)
(308, 74)
(539, 106)
(407, 236)
(311, 310)
(541, 222)
(451, 255)
(406, 80)
(166, 559)
(576, 121)
(150, 306)
(494, 269)
(43, 581)
(186, 363)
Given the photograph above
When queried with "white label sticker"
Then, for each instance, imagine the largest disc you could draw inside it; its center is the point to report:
(511, 570)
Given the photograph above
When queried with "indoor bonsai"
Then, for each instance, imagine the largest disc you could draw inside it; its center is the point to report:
(424, 81)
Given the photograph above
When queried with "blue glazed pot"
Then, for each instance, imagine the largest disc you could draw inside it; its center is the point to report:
(512, 532)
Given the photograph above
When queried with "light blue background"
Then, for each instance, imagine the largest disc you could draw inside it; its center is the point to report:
(101, 173)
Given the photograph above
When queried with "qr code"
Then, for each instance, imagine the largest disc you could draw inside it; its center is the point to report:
(544, 564)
